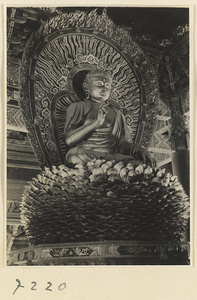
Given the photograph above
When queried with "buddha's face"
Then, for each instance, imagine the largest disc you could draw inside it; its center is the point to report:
(99, 87)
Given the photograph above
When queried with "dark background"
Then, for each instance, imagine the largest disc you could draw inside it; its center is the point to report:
(158, 22)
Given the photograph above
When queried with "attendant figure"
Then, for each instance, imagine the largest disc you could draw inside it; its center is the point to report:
(96, 128)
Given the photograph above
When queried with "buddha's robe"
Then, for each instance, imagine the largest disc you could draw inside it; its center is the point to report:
(110, 141)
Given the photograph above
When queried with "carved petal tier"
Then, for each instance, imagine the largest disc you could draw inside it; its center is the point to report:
(104, 201)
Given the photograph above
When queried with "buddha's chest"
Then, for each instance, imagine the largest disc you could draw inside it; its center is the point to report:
(108, 112)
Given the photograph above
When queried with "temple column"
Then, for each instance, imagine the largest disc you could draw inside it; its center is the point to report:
(180, 167)
(180, 157)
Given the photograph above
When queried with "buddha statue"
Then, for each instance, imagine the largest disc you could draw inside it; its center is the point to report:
(96, 128)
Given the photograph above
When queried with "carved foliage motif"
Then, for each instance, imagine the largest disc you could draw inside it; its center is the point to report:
(23, 256)
(80, 251)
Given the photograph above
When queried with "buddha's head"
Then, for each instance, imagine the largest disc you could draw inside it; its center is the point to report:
(97, 85)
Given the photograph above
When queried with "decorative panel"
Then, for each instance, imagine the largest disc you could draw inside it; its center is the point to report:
(15, 118)
(103, 253)
(13, 72)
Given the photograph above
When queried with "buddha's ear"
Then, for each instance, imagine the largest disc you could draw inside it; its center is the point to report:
(85, 87)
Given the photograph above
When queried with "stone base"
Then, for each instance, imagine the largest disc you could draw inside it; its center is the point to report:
(103, 253)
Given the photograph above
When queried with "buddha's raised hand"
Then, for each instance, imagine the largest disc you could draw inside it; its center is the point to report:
(102, 113)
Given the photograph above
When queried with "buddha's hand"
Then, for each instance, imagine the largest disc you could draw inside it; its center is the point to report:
(147, 157)
(101, 114)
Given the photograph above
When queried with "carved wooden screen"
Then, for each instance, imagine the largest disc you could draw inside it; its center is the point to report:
(57, 66)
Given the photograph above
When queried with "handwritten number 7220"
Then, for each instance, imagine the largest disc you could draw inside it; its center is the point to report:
(61, 287)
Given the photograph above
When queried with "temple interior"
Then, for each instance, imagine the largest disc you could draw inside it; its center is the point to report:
(162, 35)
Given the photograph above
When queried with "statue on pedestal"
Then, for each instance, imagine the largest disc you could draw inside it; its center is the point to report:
(97, 181)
